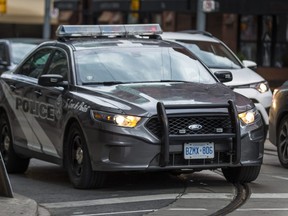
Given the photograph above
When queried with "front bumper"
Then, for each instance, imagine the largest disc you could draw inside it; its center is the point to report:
(137, 149)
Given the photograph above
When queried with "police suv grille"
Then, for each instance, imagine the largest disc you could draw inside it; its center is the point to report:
(180, 125)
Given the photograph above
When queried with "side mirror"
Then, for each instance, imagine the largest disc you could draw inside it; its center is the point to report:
(224, 76)
(5, 59)
(250, 64)
(52, 80)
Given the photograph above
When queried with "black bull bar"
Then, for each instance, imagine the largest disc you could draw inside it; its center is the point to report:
(165, 139)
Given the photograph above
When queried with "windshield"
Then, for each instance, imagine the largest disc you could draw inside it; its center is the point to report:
(128, 65)
(214, 55)
(20, 50)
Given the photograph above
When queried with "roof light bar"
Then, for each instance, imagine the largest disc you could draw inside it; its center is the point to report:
(144, 29)
(108, 30)
(78, 31)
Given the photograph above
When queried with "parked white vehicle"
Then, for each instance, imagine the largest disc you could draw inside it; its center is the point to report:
(218, 57)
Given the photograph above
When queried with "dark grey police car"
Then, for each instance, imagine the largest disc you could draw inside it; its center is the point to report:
(113, 98)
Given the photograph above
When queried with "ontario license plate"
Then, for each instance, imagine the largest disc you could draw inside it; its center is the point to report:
(199, 150)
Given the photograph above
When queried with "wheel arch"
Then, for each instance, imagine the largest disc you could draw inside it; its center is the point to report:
(69, 123)
(5, 112)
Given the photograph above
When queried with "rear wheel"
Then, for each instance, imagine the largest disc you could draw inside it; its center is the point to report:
(282, 142)
(78, 162)
(13, 162)
(241, 174)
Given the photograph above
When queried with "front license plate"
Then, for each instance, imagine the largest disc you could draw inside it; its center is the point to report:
(198, 150)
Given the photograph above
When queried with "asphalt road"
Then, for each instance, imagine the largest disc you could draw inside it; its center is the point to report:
(200, 193)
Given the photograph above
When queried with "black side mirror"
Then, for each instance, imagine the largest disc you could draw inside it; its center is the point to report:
(224, 76)
(5, 59)
(52, 80)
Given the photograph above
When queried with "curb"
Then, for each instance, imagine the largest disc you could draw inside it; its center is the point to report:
(20, 206)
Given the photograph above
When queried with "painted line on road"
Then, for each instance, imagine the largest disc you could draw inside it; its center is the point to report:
(177, 209)
(109, 201)
(187, 209)
(280, 177)
(115, 213)
(263, 209)
(142, 211)
(120, 200)
(269, 196)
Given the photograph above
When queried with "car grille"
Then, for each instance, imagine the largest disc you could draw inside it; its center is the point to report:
(217, 123)
(180, 125)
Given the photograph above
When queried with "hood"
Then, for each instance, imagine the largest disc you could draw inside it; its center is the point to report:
(141, 99)
(242, 76)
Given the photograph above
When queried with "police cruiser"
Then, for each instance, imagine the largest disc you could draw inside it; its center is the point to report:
(106, 98)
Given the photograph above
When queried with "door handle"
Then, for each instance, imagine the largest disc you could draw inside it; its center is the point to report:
(13, 87)
(38, 93)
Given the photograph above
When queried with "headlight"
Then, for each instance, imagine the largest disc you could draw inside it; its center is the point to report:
(119, 120)
(248, 117)
(261, 86)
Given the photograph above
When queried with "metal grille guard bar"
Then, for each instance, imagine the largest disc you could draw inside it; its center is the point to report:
(161, 110)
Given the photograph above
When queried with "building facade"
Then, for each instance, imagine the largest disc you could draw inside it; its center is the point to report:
(256, 30)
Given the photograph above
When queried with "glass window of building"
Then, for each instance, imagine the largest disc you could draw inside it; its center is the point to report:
(248, 37)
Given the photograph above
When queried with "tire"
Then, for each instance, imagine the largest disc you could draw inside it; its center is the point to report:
(13, 162)
(241, 174)
(282, 142)
(78, 163)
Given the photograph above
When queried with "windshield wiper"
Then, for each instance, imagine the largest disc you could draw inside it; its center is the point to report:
(173, 81)
(107, 83)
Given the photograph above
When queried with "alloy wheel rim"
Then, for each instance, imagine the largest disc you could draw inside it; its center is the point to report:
(77, 156)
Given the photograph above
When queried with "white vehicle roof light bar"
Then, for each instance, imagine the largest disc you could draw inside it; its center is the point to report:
(108, 30)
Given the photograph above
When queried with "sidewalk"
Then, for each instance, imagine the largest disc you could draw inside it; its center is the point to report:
(20, 206)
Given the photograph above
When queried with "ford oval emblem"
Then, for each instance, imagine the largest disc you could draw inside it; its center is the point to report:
(195, 127)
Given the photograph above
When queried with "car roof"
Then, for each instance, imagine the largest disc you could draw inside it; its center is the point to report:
(189, 36)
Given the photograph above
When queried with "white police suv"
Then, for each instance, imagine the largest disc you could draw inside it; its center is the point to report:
(218, 57)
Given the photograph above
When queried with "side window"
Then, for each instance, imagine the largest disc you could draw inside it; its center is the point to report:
(35, 65)
(59, 64)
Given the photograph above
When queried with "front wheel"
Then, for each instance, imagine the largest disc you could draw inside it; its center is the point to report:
(241, 174)
(78, 162)
(13, 162)
(282, 142)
